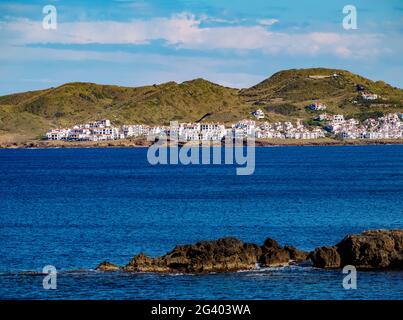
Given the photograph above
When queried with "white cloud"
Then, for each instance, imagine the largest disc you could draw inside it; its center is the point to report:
(154, 68)
(267, 22)
(185, 31)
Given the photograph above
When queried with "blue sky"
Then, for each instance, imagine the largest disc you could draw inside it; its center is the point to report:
(231, 42)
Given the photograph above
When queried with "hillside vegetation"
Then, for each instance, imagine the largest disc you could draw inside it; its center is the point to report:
(283, 96)
(287, 93)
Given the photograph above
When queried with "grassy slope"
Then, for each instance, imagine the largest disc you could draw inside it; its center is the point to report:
(284, 96)
(287, 93)
(33, 113)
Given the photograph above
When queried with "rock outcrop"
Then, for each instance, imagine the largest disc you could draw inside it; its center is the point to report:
(373, 249)
(226, 254)
(107, 266)
(326, 257)
(273, 255)
(222, 255)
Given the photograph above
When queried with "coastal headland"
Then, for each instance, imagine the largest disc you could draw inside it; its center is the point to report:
(296, 103)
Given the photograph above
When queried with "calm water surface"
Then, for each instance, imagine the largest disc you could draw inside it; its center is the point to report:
(73, 208)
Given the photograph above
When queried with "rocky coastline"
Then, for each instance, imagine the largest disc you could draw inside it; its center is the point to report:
(144, 143)
(372, 249)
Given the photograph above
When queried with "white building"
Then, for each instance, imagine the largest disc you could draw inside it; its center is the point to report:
(317, 106)
(186, 131)
(244, 128)
(212, 131)
(369, 96)
(106, 133)
(98, 124)
(337, 118)
(57, 134)
(134, 130)
(286, 130)
(92, 131)
(79, 133)
(324, 117)
(389, 126)
(259, 114)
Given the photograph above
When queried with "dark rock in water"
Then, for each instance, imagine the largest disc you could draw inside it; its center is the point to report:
(296, 255)
(270, 245)
(276, 258)
(326, 257)
(373, 249)
(222, 255)
(76, 271)
(226, 254)
(273, 255)
(139, 261)
(143, 263)
(107, 266)
(31, 273)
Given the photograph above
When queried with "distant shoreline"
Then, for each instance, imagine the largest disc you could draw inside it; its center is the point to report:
(143, 143)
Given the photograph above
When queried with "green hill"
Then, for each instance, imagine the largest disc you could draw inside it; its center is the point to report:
(287, 93)
(283, 96)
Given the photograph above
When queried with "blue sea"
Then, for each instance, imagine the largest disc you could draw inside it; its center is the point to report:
(73, 208)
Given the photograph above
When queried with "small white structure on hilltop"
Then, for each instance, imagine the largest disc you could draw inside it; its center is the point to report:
(259, 114)
(317, 106)
(318, 77)
(369, 96)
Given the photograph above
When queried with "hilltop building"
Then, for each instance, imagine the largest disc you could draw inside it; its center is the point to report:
(317, 106)
(318, 77)
(259, 114)
(369, 96)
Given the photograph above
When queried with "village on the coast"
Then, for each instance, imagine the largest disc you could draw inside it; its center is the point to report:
(323, 124)
(389, 126)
